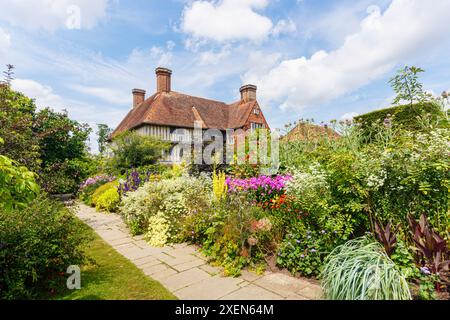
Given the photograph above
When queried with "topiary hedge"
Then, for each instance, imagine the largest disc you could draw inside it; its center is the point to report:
(409, 117)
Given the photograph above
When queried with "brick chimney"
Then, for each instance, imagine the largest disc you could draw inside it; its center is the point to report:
(163, 79)
(138, 97)
(248, 92)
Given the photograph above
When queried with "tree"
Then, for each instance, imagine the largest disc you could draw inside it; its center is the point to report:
(8, 75)
(131, 150)
(64, 155)
(103, 134)
(16, 122)
(407, 86)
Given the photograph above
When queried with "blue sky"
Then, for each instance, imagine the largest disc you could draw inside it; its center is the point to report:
(309, 58)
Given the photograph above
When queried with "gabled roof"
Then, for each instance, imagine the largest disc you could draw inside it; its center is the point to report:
(181, 110)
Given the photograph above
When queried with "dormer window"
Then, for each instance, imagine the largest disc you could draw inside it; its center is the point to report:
(255, 126)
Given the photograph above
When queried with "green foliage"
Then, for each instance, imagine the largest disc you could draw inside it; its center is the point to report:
(102, 189)
(86, 193)
(103, 134)
(361, 270)
(17, 184)
(407, 87)
(348, 184)
(131, 150)
(108, 200)
(38, 242)
(232, 233)
(64, 157)
(16, 121)
(176, 198)
(409, 117)
(304, 249)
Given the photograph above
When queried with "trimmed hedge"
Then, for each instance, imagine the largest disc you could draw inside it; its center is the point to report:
(406, 116)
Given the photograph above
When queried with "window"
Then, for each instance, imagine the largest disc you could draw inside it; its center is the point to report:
(255, 125)
(256, 111)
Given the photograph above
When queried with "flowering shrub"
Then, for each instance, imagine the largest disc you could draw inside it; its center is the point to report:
(176, 198)
(304, 249)
(133, 180)
(158, 230)
(102, 178)
(263, 189)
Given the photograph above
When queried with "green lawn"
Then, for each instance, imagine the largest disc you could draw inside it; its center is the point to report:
(113, 277)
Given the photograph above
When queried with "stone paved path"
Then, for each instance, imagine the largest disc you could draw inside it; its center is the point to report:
(185, 272)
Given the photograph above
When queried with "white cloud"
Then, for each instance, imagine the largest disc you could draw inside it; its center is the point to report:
(349, 115)
(43, 95)
(226, 20)
(122, 97)
(5, 41)
(284, 27)
(53, 14)
(406, 28)
(211, 57)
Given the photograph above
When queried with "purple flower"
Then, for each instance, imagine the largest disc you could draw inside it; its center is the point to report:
(313, 250)
(298, 241)
(302, 256)
(323, 231)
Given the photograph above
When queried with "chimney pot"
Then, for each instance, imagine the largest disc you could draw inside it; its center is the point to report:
(248, 92)
(138, 97)
(163, 79)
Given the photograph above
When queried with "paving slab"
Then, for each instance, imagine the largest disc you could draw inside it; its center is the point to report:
(184, 279)
(182, 268)
(281, 284)
(152, 269)
(311, 292)
(209, 289)
(252, 292)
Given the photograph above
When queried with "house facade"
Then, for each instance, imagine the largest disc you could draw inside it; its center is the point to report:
(172, 116)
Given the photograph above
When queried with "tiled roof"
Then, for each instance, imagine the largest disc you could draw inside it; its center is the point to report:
(181, 110)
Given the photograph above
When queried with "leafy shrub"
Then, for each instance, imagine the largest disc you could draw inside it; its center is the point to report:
(102, 189)
(16, 128)
(38, 242)
(232, 234)
(304, 249)
(108, 200)
(132, 150)
(361, 270)
(64, 156)
(17, 185)
(91, 184)
(176, 198)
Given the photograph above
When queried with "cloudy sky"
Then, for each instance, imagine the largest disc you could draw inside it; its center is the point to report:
(309, 58)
